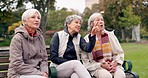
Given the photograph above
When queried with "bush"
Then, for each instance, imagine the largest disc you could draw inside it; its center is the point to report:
(132, 41)
(145, 37)
(122, 41)
(127, 41)
(5, 42)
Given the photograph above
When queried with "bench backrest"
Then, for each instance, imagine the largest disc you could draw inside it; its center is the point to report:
(4, 62)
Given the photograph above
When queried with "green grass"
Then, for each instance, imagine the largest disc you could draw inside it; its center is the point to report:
(138, 54)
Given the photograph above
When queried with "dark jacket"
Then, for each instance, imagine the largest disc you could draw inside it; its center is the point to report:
(70, 51)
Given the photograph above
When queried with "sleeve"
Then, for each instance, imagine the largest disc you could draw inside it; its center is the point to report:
(88, 61)
(54, 46)
(88, 46)
(90, 64)
(118, 53)
(44, 62)
(16, 58)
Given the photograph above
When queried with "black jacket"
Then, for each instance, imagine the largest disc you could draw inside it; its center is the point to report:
(70, 53)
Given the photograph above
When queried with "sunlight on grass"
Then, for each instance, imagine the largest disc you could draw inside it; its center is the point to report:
(138, 54)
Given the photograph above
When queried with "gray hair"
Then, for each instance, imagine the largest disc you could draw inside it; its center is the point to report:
(28, 13)
(70, 18)
(91, 19)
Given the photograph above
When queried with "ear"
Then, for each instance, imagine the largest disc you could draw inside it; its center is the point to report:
(68, 25)
(92, 23)
(24, 21)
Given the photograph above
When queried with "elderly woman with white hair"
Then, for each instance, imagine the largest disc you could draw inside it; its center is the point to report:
(107, 56)
(65, 48)
(28, 56)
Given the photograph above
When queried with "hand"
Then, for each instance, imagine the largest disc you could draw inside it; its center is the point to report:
(94, 30)
(45, 74)
(106, 66)
(113, 66)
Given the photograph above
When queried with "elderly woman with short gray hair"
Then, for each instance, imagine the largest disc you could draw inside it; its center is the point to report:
(65, 48)
(28, 56)
(107, 56)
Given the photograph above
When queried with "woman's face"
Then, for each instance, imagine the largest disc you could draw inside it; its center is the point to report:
(99, 21)
(33, 21)
(74, 26)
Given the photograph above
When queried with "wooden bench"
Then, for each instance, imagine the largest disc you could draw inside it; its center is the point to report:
(4, 62)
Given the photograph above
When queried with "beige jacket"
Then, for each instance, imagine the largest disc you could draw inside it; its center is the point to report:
(117, 53)
(28, 54)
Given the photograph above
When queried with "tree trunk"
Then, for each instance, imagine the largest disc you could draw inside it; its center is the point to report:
(43, 24)
(123, 33)
(136, 33)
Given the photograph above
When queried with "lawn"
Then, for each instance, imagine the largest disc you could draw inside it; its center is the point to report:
(138, 54)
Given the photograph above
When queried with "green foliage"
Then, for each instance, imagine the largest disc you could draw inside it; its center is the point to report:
(5, 42)
(7, 19)
(13, 26)
(56, 19)
(141, 10)
(144, 33)
(144, 17)
(7, 7)
(129, 18)
(137, 53)
(87, 12)
(111, 15)
(44, 6)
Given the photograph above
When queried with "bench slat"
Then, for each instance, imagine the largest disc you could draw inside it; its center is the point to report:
(4, 67)
(4, 54)
(3, 74)
(4, 59)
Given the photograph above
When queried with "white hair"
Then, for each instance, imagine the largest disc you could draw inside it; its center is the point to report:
(70, 18)
(28, 13)
(91, 19)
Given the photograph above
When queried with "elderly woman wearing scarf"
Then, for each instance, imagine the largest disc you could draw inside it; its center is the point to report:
(107, 56)
(65, 48)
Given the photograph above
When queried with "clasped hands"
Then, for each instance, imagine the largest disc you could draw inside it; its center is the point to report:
(110, 66)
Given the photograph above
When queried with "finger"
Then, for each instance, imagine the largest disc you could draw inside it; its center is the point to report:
(96, 24)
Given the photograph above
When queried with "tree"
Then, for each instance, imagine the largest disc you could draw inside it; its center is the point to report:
(42, 5)
(87, 12)
(119, 14)
(129, 19)
(13, 26)
(57, 18)
(141, 9)
(6, 19)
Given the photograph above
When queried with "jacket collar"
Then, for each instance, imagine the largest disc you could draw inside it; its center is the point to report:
(66, 30)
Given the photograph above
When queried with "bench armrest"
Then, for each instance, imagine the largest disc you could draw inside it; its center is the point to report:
(127, 65)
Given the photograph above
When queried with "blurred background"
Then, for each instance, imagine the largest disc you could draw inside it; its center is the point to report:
(129, 19)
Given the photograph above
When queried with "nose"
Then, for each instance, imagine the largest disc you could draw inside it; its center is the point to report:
(37, 19)
(79, 24)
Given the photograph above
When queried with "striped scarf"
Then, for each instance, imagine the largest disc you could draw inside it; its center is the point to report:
(102, 49)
